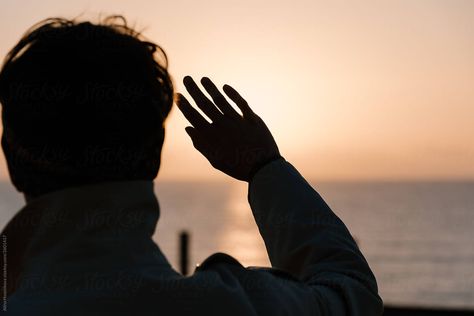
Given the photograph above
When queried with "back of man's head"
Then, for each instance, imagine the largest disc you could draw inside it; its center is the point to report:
(83, 103)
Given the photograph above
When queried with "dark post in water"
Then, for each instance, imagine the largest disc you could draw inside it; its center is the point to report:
(183, 252)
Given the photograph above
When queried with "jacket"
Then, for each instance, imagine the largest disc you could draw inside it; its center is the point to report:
(88, 250)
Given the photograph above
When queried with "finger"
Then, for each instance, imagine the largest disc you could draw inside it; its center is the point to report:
(201, 100)
(239, 101)
(193, 116)
(219, 99)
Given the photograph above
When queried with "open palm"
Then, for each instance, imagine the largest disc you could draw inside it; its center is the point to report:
(235, 144)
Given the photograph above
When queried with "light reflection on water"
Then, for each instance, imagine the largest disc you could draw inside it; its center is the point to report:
(241, 238)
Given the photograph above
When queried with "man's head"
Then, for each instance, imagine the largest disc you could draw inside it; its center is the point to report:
(83, 103)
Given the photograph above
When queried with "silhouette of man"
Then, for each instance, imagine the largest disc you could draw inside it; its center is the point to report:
(83, 109)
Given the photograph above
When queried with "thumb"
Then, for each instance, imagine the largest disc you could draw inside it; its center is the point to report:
(193, 134)
(198, 142)
(190, 131)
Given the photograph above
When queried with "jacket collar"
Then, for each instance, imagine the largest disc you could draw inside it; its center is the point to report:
(111, 211)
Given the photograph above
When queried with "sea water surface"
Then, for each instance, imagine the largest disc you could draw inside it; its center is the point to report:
(417, 236)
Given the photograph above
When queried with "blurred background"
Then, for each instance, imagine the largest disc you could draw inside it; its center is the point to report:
(372, 101)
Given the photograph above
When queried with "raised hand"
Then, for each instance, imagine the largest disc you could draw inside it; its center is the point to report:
(238, 145)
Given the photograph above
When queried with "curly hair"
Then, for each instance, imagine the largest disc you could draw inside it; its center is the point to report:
(83, 103)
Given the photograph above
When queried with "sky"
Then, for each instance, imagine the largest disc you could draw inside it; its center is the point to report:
(351, 90)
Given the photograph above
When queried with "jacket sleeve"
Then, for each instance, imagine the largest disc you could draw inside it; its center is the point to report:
(306, 239)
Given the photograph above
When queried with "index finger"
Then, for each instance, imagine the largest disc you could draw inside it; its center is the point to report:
(201, 100)
(193, 116)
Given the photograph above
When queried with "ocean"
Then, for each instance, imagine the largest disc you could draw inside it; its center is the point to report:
(417, 236)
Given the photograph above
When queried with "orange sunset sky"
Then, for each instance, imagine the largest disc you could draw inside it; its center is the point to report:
(352, 90)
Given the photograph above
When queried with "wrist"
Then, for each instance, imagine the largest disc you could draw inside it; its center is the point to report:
(257, 167)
